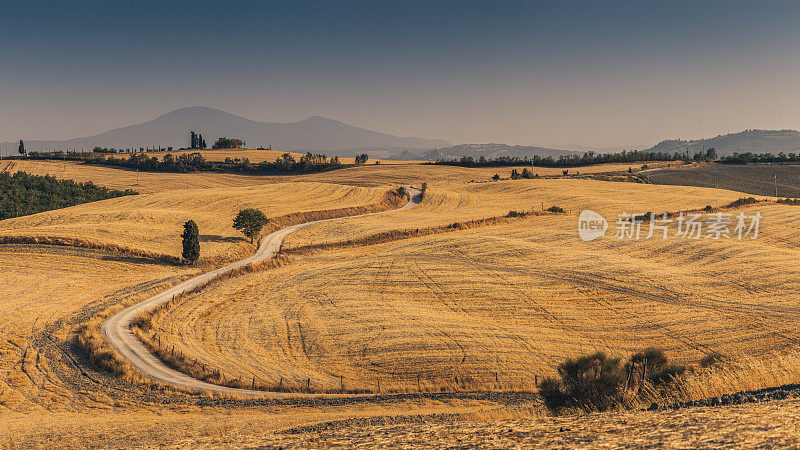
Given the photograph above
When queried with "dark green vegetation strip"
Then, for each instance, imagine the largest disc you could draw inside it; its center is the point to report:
(285, 164)
(22, 194)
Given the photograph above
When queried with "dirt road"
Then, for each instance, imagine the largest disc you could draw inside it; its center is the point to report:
(117, 329)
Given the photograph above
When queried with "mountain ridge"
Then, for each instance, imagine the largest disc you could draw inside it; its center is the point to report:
(315, 134)
(753, 141)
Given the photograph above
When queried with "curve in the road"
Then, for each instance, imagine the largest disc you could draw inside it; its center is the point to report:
(117, 329)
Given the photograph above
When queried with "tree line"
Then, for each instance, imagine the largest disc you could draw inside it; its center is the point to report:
(22, 194)
(195, 162)
(585, 159)
(748, 158)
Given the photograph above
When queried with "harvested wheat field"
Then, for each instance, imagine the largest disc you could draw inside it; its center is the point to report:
(370, 175)
(460, 322)
(496, 306)
(152, 223)
(446, 204)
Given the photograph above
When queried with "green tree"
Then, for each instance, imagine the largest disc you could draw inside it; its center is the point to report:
(21, 148)
(191, 242)
(250, 222)
(192, 140)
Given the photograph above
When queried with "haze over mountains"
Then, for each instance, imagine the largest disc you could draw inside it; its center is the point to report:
(315, 134)
(321, 135)
(753, 141)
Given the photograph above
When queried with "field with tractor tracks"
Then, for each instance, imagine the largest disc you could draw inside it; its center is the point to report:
(452, 327)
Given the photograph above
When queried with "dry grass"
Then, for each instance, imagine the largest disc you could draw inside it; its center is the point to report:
(736, 374)
(151, 224)
(370, 175)
(445, 204)
(485, 308)
(48, 292)
(497, 307)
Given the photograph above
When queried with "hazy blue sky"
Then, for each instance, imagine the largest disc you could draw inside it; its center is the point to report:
(544, 73)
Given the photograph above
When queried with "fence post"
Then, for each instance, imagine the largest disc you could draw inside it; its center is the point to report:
(379, 385)
(419, 388)
(341, 382)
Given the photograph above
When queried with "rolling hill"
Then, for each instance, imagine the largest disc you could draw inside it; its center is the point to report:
(172, 129)
(754, 141)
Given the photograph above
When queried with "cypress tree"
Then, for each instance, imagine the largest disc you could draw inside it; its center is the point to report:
(193, 140)
(191, 242)
(21, 148)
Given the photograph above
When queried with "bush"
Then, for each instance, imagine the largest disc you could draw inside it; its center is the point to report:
(526, 173)
(657, 369)
(710, 359)
(423, 189)
(741, 202)
(496, 177)
(708, 208)
(590, 383)
(402, 192)
(556, 209)
(513, 213)
(597, 383)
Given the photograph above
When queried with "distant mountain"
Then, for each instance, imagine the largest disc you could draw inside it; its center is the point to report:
(488, 151)
(172, 129)
(754, 141)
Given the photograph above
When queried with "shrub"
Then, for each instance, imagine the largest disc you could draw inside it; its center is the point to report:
(423, 189)
(526, 173)
(513, 213)
(710, 359)
(708, 208)
(657, 369)
(590, 383)
(515, 175)
(402, 192)
(565, 172)
(556, 209)
(741, 202)
(496, 177)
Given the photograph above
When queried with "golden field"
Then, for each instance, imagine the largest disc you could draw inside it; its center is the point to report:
(154, 222)
(448, 203)
(481, 309)
(493, 307)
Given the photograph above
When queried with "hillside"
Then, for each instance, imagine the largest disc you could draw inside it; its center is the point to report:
(754, 141)
(172, 130)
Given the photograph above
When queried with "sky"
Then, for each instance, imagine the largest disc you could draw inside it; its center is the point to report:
(560, 73)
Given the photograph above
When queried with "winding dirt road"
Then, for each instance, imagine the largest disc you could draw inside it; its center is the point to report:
(117, 329)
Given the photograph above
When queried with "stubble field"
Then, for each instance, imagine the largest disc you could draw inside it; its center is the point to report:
(487, 308)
